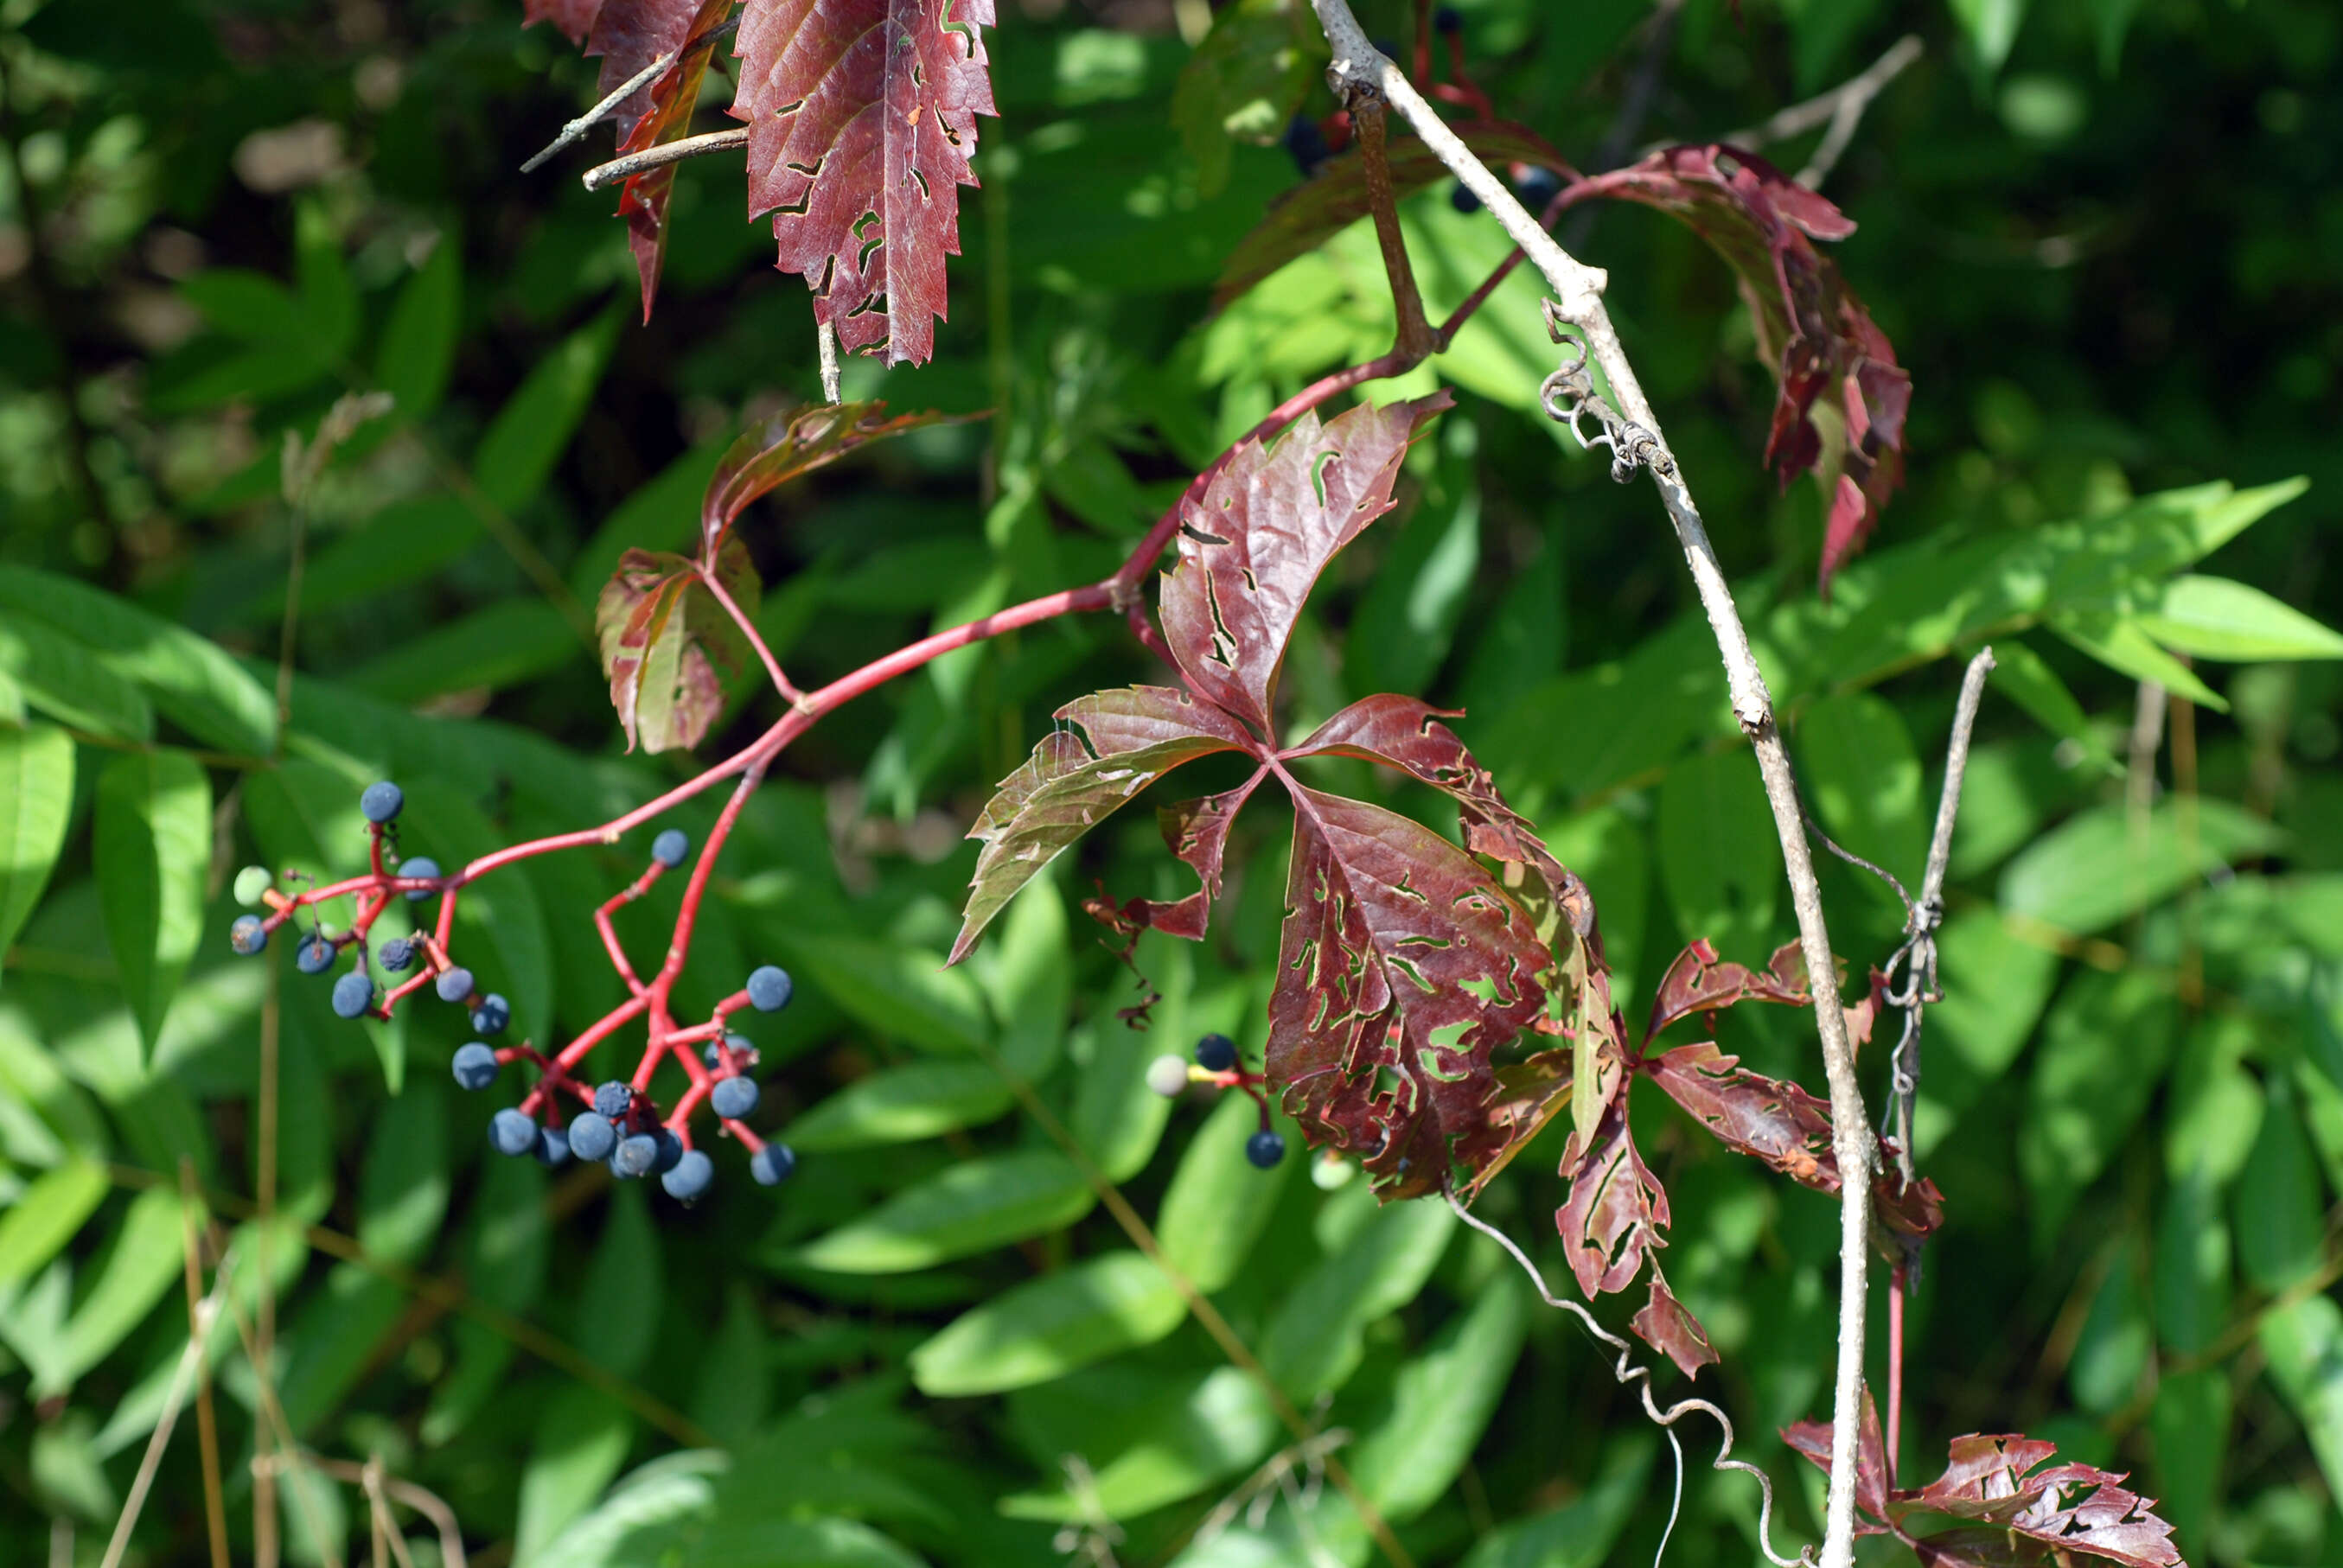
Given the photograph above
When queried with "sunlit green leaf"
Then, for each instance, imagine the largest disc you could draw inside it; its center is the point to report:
(973, 1206)
(1047, 1327)
(154, 831)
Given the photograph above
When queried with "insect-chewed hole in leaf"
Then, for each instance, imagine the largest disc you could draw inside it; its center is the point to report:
(923, 184)
(863, 226)
(1388, 1082)
(1191, 531)
(788, 108)
(1451, 1036)
(1480, 989)
(1318, 474)
(1412, 972)
(1433, 1067)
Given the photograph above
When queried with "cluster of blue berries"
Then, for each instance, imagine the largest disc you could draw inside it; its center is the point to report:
(623, 1127)
(1216, 1063)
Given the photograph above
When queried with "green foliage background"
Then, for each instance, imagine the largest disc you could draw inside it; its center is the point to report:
(2102, 239)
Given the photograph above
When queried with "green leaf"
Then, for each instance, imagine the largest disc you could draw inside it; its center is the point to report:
(143, 1259)
(1214, 1428)
(1026, 981)
(37, 1226)
(2191, 1420)
(1244, 83)
(2115, 18)
(1045, 1328)
(1720, 864)
(1116, 1119)
(2192, 1265)
(249, 304)
(582, 1438)
(2280, 1215)
(1992, 27)
(2025, 677)
(533, 429)
(2124, 647)
(2104, 1047)
(500, 919)
(619, 1309)
(1316, 1338)
(1442, 1402)
(2213, 618)
(500, 645)
(1217, 1203)
(662, 514)
(1580, 1533)
(2116, 1340)
(63, 679)
(402, 1188)
(1994, 988)
(903, 993)
(642, 1514)
(37, 787)
(973, 1206)
(419, 342)
(405, 542)
(306, 815)
(1857, 760)
(815, 1542)
(195, 683)
(1405, 623)
(2098, 867)
(2304, 1343)
(154, 842)
(900, 1104)
(329, 301)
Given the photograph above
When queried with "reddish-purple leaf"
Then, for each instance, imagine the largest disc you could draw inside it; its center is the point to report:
(1813, 1439)
(574, 18)
(663, 635)
(1668, 1325)
(1812, 330)
(1401, 968)
(666, 117)
(1773, 1121)
(1615, 1210)
(2075, 1508)
(1251, 547)
(1121, 741)
(1981, 1546)
(1335, 197)
(1198, 833)
(861, 122)
(1697, 983)
(795, 441)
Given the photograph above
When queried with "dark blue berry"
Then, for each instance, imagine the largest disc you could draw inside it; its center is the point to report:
(744, 1052)
(421, 866)
(1461, 198)
(770, 988)
(611, 1099)
(670, 1149)
(1216, 1053)
(670, 847)
(511, 1132)
(454, 985)
(690, 1176)
(353, 994)
(249, 935)
(474, 1065)
(1266, 1150)
(396, 954)
(591, 1137)
(733, 1097)
(552, 1149)
(772, 1164)
(314, 955)
(1307, 144)
(491, 1016)
(1448, 21)
(635, 1156)
(1537, 187)
(382, 802)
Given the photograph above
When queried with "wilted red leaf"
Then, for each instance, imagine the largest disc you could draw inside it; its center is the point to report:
(1773, 1121)
(862, 123)
(1812, 330)
(1697, 983)
(1329, 202)
(1251, 547)
(795, 441)
(662, 636)
(1813, 1439)
(1402, 967)
(1615, 1210)
(1666, 1325)
(666, 117)
(1121, 741)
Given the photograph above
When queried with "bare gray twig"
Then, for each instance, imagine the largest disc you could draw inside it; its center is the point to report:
(666, 153)
(620, 94)
(1842, 109)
